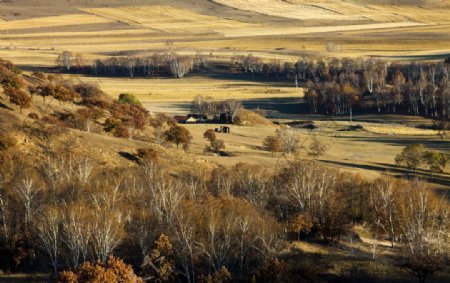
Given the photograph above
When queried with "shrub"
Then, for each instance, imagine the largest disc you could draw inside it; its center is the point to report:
(217, 145)
(147, 153)
(210, 135)
(131, 115)
(9, 79)
(122, 132)
(9, 66)
(19, 97)
(127, 98)
(411, 156)
(178, 135)
(272, 144)
(50, 119)
(113, 270)
(33, 116)
(110, 125)
(92, 95)
(39, 75)
(7, 141)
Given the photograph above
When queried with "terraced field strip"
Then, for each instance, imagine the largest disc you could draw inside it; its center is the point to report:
(168, 19)
(310, 30)
(391, 13)
(299, 11)
(56, 21)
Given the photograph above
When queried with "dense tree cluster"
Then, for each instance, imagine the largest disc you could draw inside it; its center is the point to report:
(335, 86)
(416, 155)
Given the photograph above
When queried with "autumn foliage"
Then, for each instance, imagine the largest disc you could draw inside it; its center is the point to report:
(113, 270)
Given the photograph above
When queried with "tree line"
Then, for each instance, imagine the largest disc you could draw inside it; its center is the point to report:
(157, 65)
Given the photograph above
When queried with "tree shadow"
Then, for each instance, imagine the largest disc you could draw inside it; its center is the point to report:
(4, 106)
(395, 171)
(128, 156)
(436, 144)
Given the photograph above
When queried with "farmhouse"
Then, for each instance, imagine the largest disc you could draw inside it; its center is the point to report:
(191, 119)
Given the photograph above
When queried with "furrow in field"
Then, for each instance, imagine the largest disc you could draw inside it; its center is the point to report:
(288, 10)
(168, 19)
(310, 30)
(55, 21)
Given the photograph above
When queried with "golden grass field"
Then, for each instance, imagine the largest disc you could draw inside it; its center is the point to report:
(185, 90)
(167, 19)
(271, 29)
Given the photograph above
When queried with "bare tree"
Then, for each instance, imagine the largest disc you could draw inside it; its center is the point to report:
(76, 228)
(424, 222)
(317, 148)
(65, 60)
(27, 193)
(383, 207)
(180, 66)
(107, 221)
(231, 108)
(290, 141)
(48, 230)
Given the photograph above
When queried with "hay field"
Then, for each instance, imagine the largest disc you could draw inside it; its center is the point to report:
(344, 10)
(313, 30)
(56, 21)
(168, 19)
(284, 9)
(208, 27)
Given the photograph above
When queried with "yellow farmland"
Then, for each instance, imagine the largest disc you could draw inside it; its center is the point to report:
(56, 21)
(167, 19)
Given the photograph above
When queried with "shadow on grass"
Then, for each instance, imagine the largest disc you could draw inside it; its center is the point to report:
(4, 106)
(128, 156)
(396, 171)
(436, 144)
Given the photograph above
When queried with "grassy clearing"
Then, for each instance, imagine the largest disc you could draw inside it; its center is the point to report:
(352, 151)
(186, 89)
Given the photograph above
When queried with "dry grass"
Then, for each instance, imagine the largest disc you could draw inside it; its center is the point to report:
(186, 89)
(56, 21)
(355, 151)
(167, 19)
(398, 130)
(286, 10)
(343, 10)
(386, 30)
(311, 30)
(249, 118)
